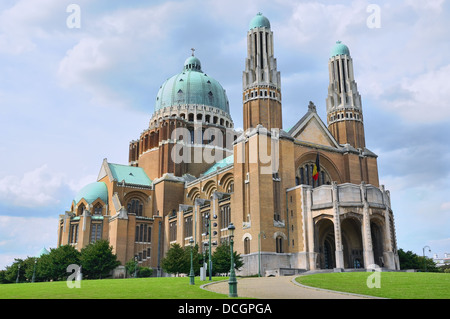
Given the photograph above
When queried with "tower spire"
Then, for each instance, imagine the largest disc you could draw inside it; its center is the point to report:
(261, 79)
(344, 109)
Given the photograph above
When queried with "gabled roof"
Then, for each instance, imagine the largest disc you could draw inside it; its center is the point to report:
(124, 173)
(310, 128)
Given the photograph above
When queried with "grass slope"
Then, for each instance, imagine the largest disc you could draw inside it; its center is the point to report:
(139, 288)
(394, 285)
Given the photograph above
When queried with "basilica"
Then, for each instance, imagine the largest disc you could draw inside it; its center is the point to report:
(303, 198)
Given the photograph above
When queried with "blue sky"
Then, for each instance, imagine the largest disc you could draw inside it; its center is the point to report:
(71, 97)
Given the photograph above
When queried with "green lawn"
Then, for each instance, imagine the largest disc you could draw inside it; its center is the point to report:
(139, 288)
(395, 285)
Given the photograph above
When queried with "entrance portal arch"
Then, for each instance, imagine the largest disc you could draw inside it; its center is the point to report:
(376, 230)
(325, 244)
(352, 243)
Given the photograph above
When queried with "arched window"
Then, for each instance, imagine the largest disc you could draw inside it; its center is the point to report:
(305, 175)
(225, 216)
(81, 209)
(96, 232)
(247, 246)
(279, 244)
(135, 207)
(230, 188)
(98, 209)
(143, 233)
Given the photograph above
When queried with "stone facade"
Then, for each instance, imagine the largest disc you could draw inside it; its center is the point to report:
(261, 180)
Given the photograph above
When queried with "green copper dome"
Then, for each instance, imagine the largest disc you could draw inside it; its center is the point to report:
(259, 21)
(192, 86)
(339, 49)
(93, 191)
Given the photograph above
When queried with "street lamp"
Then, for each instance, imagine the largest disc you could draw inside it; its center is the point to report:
(232, 283)
(135, 266)
(208, 225)
(34, 270)
(18, 272)
(424, 260)
(191, 274)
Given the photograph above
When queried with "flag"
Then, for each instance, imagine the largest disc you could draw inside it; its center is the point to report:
(316, 168)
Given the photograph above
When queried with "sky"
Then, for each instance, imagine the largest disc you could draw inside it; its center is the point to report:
(72, 95)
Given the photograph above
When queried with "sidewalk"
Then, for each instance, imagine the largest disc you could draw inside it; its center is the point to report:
(278, 288)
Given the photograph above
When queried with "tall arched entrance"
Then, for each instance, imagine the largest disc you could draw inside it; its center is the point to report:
(325, 244)
(352, 242)
(376, 230)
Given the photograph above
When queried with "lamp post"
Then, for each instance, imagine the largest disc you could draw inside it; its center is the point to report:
(232, 283)
(18, 272)
(135, 266)
(34, 270)
(424, 260)
(191, 274)
(208, 226)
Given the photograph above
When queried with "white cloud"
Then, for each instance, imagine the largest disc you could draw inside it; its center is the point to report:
(319, 25)
(114, 50)
(433, 5)
(34, 188)
(27, 20)
(39, 187)
(22, 237)
(423, 98)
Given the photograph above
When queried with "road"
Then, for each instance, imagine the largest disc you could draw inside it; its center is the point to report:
(283, 287)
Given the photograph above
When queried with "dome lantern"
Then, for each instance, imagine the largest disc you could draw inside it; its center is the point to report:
(339, 49)
(259, 21)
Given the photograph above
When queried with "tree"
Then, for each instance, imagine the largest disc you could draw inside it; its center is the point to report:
(221, 259)
(132, 267)
(141, 272)
(53, 266)
(145, 272)
(97, 260)
(14, 271)
(178, 260)
(410, 260)
(196, 259)
(174, 262)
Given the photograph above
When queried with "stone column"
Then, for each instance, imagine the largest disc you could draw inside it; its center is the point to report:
(388, 249)
(366, 233)
(337, 229)
(310, 228)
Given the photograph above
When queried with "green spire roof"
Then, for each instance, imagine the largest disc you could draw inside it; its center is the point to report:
(339, 49)
(259, 21)
(93, 191)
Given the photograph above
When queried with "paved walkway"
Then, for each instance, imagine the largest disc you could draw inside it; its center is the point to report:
(283, 287)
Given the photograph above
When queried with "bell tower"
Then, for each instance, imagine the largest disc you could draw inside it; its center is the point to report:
(344, 109)
(261, 80)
